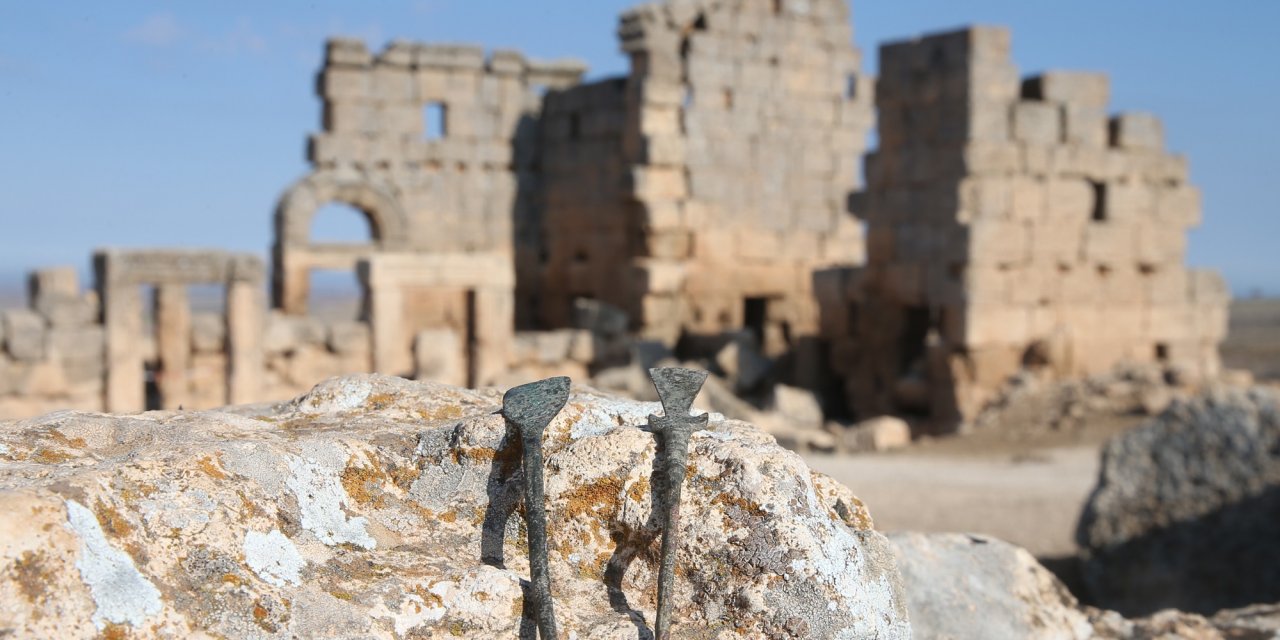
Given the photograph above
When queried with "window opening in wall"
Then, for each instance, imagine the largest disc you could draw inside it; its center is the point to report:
(436, 119)
(1162, 352)
(575, 126)
(1099, 201)
(777, 7)
(755, 312)
(700, 24)
(851, 86)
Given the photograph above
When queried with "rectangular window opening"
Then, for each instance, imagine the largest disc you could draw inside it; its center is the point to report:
(436, 119)
(1162, 352)
(1099, 201)
(755, 312)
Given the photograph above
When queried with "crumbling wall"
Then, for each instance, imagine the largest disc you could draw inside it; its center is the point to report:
(53, 356)
(1013, 224)
(433, 143)
(740, 143)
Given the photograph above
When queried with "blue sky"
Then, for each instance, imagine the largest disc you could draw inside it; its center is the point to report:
(159, 123)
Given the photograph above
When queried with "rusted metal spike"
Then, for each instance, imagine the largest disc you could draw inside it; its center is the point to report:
(531, 407)
(676, 389)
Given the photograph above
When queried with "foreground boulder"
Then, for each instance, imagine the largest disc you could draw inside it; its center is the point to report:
(1186, 513)
(375, 507)
(963, 586)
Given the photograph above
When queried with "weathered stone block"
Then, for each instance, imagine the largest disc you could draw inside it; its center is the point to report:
(1137, 131)
(1081, 88)
(80, 342)
(208, 333)
(24, 333)
(1070, 200)
(1037, 123)
(349, 337)
(438, 357)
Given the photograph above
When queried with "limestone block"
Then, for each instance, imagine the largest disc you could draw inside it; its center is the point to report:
(993, 365)
(1128, 201)
(208, 332)
(753, 244)
(24, 333)
(1208, 288)
(57, 281)
(1028, 198)
(1171, 323)
(438, 357)
(1110, 243)
(999, 242)
(883, 433)
(1159, 244)
(347, 52)
(658, 183)
(1037, 123)
(1036, 159)
(349, 337)
(351, 117)
(1178, 205)
(78, 343)
(987, 325)
(346, 84)
(1167, 286)
(987, 286)
(1086, 89)
(659, 276)
(585, 346)
(986, 197)
(1070, 200)
(1137, 131)
(61, 310)
(997, 158)
(1085, 126)
(672, 244)
(552, 347)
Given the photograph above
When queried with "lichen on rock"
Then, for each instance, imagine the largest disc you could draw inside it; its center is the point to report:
(379, 507)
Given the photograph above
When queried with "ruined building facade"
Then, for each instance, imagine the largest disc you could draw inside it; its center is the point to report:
(1012, 223)
(715, 190)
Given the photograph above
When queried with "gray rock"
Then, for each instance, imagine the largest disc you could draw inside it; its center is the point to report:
(376, 507)
(1186, 513)
(963, 586)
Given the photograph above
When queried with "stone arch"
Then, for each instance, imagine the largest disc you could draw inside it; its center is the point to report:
(299, 203)
(294, 255)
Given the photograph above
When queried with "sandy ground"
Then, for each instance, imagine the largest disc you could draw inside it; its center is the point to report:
(1032, 500)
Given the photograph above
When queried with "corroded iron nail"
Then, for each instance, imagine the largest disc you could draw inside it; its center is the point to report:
(676, 389)
(531, 407)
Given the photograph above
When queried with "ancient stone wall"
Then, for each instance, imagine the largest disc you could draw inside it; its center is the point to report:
(53, 353)
(431, 142)
(740, 137)
(1013, 224)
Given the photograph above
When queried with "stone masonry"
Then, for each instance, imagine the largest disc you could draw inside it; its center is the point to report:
(700, 192)
(1012, 224)
(708, 198)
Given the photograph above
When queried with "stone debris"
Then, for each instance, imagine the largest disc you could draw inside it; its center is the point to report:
(1187, 508)
(378, 507)
(962, 586)
(884, 433)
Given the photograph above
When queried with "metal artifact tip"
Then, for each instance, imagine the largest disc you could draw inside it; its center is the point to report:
(536, 403)
(677, 387)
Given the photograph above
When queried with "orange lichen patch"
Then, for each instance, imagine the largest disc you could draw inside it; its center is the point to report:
(62, 439)
(250, 509)
(598, 498)
(446, 412)
(594, 569)
(517, 608)
(449, 516)
(232, 579)
(342, 594)
(134, 492)
(403, 477)
(111, 520)
(259, 613)
(33, 575)
(211, 468)
(429, 598)
(639, 489)
(482, 596)
(114, 632)
(377, 401)
(51, 456)
(362, 483)
(474, 454)
(740, 502)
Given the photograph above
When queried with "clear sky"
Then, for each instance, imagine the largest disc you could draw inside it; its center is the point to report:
(162, 123)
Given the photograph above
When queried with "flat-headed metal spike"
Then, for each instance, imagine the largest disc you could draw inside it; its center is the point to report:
(531, 407)
(677, 389)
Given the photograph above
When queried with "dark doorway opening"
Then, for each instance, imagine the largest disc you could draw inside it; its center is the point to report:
(755, 313)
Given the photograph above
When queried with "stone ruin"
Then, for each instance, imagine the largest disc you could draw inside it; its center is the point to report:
(1012, 224)
(526, 224)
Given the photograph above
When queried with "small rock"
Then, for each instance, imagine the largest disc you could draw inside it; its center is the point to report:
(798, 406)
(875, 434)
